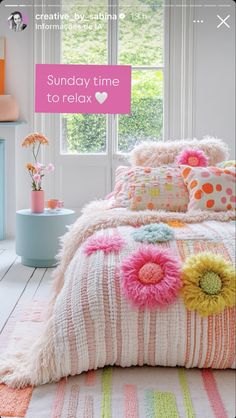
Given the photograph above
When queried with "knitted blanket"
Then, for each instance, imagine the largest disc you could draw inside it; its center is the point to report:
(126, 294)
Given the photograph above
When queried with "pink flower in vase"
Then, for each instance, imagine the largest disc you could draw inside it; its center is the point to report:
(37, 178)
(38, 167)
(50, 167)
(36, 170)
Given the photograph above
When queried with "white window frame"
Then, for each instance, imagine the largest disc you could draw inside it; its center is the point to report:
(46, 47)
(179, 44)
(178, 72)
(113, 49)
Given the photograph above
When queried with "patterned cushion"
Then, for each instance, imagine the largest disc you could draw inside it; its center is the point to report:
(210, 188)
(141, 188)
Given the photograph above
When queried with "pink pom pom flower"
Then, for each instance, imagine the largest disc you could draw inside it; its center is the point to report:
(104, 243)
(151, 277)
(192, 157)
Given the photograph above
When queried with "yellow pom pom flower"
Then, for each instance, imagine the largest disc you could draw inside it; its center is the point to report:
(208, 284)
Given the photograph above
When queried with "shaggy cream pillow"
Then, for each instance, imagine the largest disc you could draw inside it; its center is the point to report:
(155, 154)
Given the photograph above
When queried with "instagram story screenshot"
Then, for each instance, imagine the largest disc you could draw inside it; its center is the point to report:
(117, 209)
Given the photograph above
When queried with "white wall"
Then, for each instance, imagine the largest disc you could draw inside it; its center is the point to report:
(19, 60)
(214, 83)
(17, 183)
(19, 83)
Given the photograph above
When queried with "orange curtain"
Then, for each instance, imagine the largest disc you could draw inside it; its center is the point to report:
(2, 65)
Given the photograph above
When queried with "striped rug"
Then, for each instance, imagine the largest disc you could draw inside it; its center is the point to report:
(136, 392)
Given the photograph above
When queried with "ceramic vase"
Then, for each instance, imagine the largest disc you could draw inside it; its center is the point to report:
(9, 109)
(37, 201)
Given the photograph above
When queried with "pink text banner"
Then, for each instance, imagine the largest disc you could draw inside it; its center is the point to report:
(62, 88)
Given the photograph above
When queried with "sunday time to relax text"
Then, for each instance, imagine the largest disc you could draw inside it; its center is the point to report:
(62, 88)
(101, 97)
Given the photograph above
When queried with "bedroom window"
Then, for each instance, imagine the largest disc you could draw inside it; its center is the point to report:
(136, 39)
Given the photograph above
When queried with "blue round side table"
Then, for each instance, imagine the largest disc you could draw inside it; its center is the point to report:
(37, 235)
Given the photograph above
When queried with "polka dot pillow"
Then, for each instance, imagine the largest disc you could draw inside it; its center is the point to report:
(210, 188)
(160, 188)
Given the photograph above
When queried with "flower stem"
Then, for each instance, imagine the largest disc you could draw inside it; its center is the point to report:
(35, 156)
(37, 153)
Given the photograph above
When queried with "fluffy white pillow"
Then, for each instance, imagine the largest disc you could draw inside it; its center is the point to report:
(155, 154)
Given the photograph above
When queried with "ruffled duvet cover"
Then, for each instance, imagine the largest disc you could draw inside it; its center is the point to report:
(107, 311)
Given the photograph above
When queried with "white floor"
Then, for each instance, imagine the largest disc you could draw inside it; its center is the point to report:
(19, 283)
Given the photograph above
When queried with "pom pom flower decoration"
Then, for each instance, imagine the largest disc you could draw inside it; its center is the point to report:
(208, 284)
(192, 157)
(153, 233)
(37, 170)
(104, 243)
(151, 277)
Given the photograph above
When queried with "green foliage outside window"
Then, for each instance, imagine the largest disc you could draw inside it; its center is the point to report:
(140, 43)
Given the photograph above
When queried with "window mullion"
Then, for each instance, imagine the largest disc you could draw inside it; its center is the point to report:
(112, 60)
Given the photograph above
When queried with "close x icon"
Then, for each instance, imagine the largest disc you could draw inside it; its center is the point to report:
(223, 21)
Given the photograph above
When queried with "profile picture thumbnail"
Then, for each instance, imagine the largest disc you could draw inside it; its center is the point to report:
(17, 22)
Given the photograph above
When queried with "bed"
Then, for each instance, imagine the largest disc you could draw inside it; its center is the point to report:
(140, 285)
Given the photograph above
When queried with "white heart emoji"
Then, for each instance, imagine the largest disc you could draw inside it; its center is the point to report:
(101, 97)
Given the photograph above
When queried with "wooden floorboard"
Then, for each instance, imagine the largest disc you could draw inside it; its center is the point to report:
(19, 284)
(45, 289)
(12, 287)
(33, 285)
(7, 260)
(7, 244)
